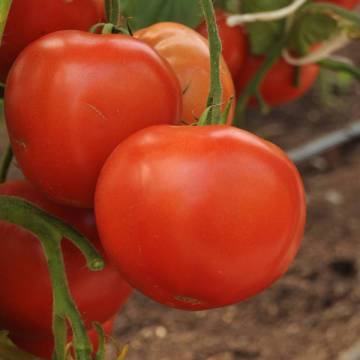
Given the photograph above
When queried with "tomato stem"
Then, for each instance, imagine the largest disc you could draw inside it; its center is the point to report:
(5, 163)
(113, 11)
(215, 93)
(253, 86)
(4, 12)
(50, 231)
(337, 65)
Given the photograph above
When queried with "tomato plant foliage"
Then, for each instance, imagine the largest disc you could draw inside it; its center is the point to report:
(186, 12)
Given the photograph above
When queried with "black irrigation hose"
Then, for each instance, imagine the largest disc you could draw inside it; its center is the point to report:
(325, 143)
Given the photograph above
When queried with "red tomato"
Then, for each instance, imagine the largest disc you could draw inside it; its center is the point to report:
(44, 348)
(26, 295)
(101, 9)
(278, 86)
(348, 4)
(233, 42)
(188, 54)
(30, 19)
(72, 97)
(199, 217)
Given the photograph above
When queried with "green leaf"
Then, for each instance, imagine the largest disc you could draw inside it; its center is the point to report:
(8, 351)
(263, 35)
(142, 14)
(309, 29)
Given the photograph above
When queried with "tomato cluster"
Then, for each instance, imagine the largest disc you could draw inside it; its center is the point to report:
(195, 217)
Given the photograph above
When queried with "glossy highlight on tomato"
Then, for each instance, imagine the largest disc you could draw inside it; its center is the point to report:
(26, 293)
(30, 19)
(187, 52)
(279, 84)
(234, 43)
(45, 347)
(199, 217)
(72, 97)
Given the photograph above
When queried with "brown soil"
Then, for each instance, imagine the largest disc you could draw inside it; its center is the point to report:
(312, 313)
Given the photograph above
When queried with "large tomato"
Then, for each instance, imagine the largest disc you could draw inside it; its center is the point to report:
(30, 19)
(278, 86)
(199, 217)
(188, 54)
(234, 44)
(25, 293)
(45, 347)
(72, 97)
(348, 4)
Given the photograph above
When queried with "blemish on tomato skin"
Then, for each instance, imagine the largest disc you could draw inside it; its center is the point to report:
(97, 111)
(21, 143)
(188, 300)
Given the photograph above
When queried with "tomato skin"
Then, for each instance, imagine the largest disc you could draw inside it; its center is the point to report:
(202, 217)
(233, 42)
(89, 92)
(348, 4)
(30, 19)
(44, 348)
(278, 86)
(188, 55)
(101, 9)
(26, 295)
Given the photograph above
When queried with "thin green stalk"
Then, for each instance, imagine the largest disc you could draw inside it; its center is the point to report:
(337, 65)
(113, 8)
(4, 12)
(50, 231)
(215, 93)
(5, 163)
(252, 87)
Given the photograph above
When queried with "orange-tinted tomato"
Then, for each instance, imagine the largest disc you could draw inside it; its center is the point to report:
(188, 54)
(72, 97)
(199, 217)
(30, 19)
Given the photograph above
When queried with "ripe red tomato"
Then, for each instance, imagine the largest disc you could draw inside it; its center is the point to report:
(26, 295)
(348, 4)
(278, 86)
(199, 217)
(101, 9)
(72, 97)
(188, 54)
(30, 19)
(233, 42)
(45, 347)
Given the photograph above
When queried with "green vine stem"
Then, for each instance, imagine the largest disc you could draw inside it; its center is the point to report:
(4, 12)
(337, 65)
(50, 231)
(113, 11)
(252, 88)
(5, 163)
(215, 93)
